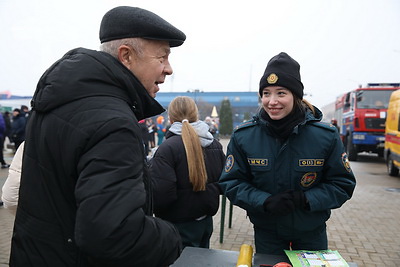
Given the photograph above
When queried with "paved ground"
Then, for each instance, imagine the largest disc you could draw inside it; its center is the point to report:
(366, 230)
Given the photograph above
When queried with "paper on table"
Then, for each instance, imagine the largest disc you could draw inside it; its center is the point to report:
(322, 258)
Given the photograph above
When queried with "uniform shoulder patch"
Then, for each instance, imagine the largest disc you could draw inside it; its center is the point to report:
(325, 125)
(245, 125)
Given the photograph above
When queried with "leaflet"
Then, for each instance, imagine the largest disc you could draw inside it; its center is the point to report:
(321, 258)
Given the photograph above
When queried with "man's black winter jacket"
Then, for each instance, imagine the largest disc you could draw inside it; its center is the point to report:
(83, 199)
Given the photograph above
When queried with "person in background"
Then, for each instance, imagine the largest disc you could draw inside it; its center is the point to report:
(25, 111)
(160, 130)
(152, 132)
(85, 196)
(7, 121)
(213, 126)
(167, 126)
(285, 167)
(18, 125)
(4, 165)
(334, 123)
(11, 185)
(185, 171)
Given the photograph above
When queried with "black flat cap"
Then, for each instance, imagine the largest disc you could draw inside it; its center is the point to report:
(128, 22)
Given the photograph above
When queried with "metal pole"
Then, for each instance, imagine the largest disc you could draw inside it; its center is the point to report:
(221, 231)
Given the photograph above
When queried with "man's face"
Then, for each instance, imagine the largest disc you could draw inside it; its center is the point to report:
(152, 65)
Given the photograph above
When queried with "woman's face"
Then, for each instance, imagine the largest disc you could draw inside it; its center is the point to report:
(277, 101)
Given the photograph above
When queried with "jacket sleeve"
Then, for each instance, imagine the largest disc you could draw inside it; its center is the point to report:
(163, 178)
(111, 224)
(338, 183)
(216, 164)
(11, 185)
(235, 180)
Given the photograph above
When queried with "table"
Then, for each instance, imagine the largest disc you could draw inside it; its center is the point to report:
(202, 257)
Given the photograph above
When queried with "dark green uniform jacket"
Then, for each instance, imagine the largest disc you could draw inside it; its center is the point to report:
(83, 199)
(312, 159)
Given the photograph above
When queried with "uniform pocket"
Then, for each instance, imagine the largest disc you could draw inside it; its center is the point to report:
(310, 171)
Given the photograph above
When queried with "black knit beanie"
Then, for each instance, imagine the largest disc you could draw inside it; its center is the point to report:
(282, 70)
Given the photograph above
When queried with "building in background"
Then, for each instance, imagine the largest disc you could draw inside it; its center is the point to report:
(8, 102)
(244, 104)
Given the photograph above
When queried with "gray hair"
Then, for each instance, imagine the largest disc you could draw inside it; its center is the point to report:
(111, 47)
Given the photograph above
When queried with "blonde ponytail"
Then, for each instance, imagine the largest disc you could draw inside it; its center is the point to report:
(183, 109)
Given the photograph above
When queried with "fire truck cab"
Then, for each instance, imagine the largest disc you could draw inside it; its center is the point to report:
(361, 116)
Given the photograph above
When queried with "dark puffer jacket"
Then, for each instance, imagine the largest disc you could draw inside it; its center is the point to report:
(174, 198)
(312, 159)
(83, 199)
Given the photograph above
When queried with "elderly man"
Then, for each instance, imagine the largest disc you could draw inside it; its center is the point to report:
(84, 196)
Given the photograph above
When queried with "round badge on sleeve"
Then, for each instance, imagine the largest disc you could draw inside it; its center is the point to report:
(346, 162)
(229, 163)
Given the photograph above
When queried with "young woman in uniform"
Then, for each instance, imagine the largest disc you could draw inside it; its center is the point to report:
(285, 167)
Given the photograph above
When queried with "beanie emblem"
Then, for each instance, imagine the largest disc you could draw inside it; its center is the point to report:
(272, 78)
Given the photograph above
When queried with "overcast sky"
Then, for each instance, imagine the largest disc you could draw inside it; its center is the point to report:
(339, 44)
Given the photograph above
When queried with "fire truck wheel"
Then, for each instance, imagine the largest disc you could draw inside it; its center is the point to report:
(351, 150)
(391, 168)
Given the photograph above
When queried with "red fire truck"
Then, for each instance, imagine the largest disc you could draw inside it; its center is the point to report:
(361, 116)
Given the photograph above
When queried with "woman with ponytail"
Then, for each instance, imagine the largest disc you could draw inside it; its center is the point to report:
(185, 171)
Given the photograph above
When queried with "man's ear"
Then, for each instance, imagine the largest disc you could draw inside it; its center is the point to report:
(125, 55)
